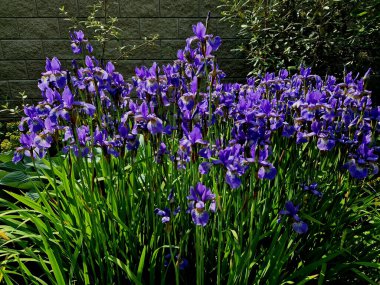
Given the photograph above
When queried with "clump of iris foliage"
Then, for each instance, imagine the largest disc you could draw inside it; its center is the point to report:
(179, 178)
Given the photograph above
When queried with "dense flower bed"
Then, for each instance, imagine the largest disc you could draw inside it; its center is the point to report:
(211, 133)
(170, 102)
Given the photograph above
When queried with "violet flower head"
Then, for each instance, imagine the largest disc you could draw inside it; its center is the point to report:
(232, 158)
(198, 198)
(313, 189)
(300, 227)
(267, 171)
(166, 212)
(199, 31)
(181, 262)
(204, 167)
(291, 210)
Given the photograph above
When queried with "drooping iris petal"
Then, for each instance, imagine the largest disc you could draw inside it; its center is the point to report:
(215, 43)
(267, 171)
(154, 125)
(204, 167)
(200, 218)
(358, 171)
(165, 214)
(67, 97)
(17, 157)
(300, 227)
(325, 144)
(233, 180)
(76, 49)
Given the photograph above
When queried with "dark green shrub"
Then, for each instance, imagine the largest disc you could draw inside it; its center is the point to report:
(324, 34)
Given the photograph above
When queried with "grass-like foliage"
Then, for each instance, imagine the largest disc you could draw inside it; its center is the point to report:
(181, 179)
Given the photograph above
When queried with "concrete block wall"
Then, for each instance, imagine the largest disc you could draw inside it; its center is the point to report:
(31, 30)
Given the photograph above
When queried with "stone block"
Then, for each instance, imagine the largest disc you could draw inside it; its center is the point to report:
(22, 49)
(112, 49)
(85, 7)
(209, 5)
(59, 48)
(49, 8)
(38, 28)
(169, 49)
(35, 68)
(8, 28)
(139, 8)
(179, 8)
(127, 67)
(29, 86)
(13, 69)
(130, 28)
(166, 28)
(142, 51)
(18, 8)
(4, 91)
(234, 68)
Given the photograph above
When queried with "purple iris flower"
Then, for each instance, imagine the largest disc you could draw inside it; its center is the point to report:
(361, 161)
(166, 212)
(182, 263)
(154, 125)
(300, 227)
(232, 180)
(195, 136)
(89, 48)
(313, 97)
(162, 150)
(325, 143)
(313, 189)
(110, 68)
(215, 43)
(31, 146)
(146, 120)
(199, 30)
(76, 48)
(77, 38)
(288, 130)
(204, 167)
(357, 168)
(291, 210)
(233, 159)
(33, 120)
(267, 170)
(198, 198)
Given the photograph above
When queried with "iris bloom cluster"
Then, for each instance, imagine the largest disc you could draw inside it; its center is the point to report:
(92, 107)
